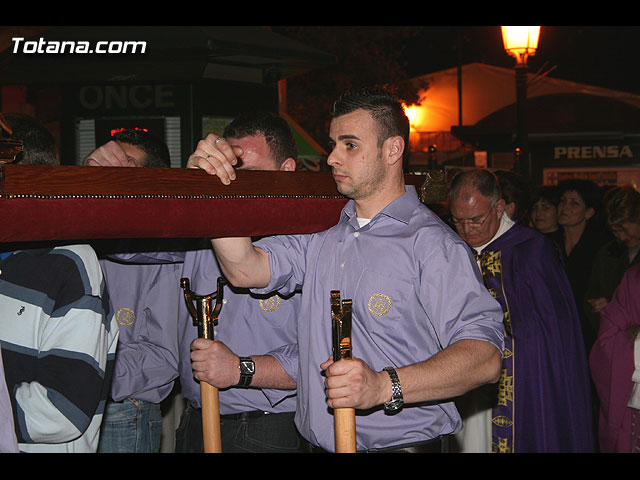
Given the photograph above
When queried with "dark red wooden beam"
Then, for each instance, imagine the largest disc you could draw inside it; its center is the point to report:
(72, 202)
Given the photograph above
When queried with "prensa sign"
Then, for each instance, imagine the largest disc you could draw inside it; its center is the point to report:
(593, 152)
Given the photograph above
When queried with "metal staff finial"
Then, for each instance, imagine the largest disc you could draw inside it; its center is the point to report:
(344, 420)
(341, 324)
(204, 313)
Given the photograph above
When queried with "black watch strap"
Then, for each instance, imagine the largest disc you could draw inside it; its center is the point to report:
(247, 369)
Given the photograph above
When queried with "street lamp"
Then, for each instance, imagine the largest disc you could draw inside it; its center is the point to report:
(521, 43)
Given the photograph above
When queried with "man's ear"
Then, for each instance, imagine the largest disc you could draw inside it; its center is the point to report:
(500, 207)
(289, 165)
(394, 149)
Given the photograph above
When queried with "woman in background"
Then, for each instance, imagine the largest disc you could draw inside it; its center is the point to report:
(622, 211)
(544, 212)
(583, 233)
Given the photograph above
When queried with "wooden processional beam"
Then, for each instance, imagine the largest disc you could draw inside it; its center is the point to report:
(72, 202)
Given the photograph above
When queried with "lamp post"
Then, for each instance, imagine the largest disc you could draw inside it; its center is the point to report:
(521, 43)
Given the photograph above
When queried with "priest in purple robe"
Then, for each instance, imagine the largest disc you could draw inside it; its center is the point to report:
(543, 399)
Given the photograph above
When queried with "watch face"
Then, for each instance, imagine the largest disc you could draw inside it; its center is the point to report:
(393, 406)
(247, 367)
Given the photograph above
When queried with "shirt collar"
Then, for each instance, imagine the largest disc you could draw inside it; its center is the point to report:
(400, 209)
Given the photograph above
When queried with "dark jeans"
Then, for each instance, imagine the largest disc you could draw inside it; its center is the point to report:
(253, 432)
(131, 426)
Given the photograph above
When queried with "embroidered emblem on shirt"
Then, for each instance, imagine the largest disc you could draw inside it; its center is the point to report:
(125, 317)
(379, 304)
(271, 304)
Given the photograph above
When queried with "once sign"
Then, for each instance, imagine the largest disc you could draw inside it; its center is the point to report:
(118, 97)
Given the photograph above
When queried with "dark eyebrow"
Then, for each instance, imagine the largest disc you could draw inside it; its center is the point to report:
(348, 137)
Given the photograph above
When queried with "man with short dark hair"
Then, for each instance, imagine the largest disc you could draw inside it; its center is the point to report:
(274, 130)
(249, 326)
(424, 327)
(144, 299)
(542, 403)
(252, 328)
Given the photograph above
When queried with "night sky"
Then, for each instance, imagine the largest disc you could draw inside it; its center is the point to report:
(604, 56)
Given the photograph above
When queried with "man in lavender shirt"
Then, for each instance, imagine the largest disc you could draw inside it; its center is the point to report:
(144, 298)
(250, 326)
(425, 329)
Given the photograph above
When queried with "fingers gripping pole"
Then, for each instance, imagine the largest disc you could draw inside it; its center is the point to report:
(344, 419)
(205, 317)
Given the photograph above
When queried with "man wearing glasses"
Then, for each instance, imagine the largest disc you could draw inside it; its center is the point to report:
(542, 401)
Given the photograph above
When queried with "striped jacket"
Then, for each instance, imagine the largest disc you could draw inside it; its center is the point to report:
(58, 336)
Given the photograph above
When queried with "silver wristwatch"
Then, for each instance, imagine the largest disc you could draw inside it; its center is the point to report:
(395, 404)
(247, 369)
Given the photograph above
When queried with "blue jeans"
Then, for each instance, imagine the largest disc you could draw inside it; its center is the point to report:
(131, 426)
(244, 433)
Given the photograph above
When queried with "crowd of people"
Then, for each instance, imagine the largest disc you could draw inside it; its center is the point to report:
(505, 322)
(595, 232)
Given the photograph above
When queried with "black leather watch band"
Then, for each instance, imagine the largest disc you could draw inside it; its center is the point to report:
(247, 369)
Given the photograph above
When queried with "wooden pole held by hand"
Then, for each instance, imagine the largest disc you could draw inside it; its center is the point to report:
(210, 401)
(205, 317)
(344, 419)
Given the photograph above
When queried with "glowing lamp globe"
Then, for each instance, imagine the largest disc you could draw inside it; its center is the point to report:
(521, 42)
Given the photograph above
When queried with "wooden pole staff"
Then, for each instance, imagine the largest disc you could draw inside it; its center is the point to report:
(205, 317)
(344, 419)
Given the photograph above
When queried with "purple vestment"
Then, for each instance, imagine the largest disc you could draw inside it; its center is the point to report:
(544, 402)
(612, 364)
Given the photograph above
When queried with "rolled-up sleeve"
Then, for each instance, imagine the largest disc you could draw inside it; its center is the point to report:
(455, 299)
(287, 262)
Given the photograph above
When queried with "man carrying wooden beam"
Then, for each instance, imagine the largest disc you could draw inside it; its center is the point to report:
(424, 327)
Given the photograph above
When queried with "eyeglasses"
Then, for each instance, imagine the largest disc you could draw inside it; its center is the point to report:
(471, 223)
